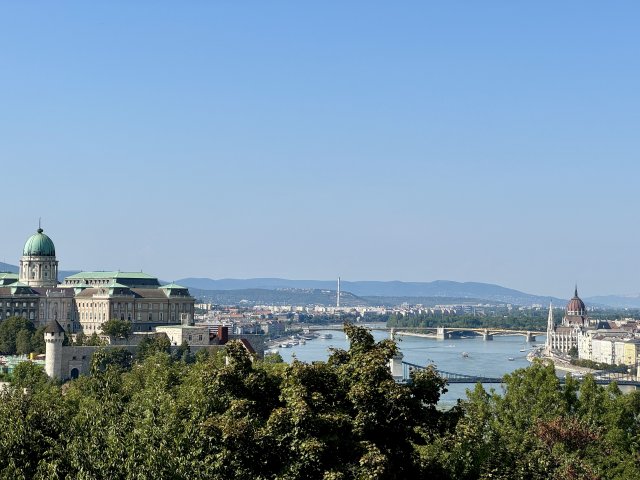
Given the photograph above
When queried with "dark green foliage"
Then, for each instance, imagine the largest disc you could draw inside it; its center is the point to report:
(93, 340)
(117, 328)
(229, 416)
(15, 336)
(37, 340)
(23, 342)
(29, 375)
(116, 358)
(582, 362)
(151, 345)
(535, 320)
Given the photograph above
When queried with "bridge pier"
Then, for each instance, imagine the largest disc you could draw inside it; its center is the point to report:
(396, 367)
(486, 336)
(441, 333)
(530, 337)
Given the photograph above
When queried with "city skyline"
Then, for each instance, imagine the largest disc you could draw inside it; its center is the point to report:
(487, 143)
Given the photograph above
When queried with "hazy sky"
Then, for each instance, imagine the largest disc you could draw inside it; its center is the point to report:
(472, 141)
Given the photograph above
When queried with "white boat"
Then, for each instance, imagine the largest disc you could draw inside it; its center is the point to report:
(326, 336)
(511, 359)
(465, 354)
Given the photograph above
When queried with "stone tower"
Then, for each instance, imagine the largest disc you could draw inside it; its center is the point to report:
(53, 337)
(38, 264)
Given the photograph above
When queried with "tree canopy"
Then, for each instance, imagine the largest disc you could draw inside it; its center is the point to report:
(229, 416)
(117, 328)
(19, 336)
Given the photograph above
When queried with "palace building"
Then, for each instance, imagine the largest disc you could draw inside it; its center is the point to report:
(84, 301)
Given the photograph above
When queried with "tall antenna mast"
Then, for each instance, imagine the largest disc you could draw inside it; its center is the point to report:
(338, 296)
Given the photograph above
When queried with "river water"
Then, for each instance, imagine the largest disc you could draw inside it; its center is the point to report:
(485, 358)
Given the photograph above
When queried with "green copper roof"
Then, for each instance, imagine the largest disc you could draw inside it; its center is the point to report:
(109, 275)
(39, 245)
(8, 278)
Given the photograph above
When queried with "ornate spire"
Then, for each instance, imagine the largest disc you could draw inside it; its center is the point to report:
(550, 327)
(576, 291)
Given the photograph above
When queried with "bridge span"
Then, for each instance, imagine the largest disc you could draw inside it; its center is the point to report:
(439, 333)
(450, 377)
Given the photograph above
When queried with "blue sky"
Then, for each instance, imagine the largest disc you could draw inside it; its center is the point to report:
(470, 141)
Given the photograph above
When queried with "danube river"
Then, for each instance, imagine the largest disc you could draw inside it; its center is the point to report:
(486, 358)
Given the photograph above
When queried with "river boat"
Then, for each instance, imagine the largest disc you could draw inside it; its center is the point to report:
(511, 359)
(326, 336)
(465, 354)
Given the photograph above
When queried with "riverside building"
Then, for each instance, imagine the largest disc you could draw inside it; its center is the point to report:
(575, 326)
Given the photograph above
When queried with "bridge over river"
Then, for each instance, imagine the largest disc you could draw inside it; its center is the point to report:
(439, 333)
(600, 378)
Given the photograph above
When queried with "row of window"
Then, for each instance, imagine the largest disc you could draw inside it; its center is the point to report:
(18, 304)
(181, 307)
(31, 315)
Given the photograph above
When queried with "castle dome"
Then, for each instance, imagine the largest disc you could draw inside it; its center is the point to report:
(576, 305)
(39, 245)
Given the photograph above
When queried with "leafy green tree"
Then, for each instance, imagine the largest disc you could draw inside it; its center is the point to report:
(117, 328)
(9, 330)
(105, 358)
(183, 352)
(28, 375)
(80, 339)
(273, 358)
(23, 342)
(151, 345)
(37, 340)
(94, 340)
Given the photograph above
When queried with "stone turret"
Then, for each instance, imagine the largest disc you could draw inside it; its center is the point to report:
(53, 337)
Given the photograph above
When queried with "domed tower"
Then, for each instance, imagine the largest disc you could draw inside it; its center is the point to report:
(576, 312)
(38, 264)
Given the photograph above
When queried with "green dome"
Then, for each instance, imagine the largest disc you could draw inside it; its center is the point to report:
(39, 245)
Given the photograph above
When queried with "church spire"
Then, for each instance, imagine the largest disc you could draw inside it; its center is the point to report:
(550, 327)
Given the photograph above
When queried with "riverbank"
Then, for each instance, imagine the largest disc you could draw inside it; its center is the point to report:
(559, 363)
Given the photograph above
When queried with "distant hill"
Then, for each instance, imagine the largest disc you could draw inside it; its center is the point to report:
(438, 288)
(310, 292)
(5, 267)
(285, 296)
(614, 301)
